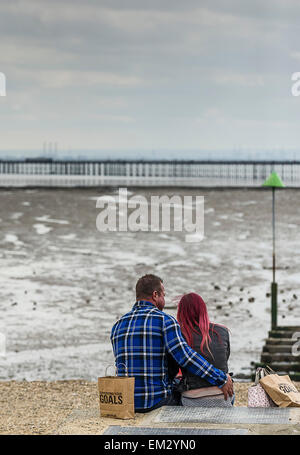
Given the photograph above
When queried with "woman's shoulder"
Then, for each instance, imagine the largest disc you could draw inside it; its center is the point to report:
(221, 329)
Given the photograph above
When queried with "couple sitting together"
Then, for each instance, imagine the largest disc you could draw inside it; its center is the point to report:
(152, 346)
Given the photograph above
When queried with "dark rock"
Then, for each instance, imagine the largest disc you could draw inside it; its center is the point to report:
(295, 297)
(217, 288)
(219, 307)
(251, 299)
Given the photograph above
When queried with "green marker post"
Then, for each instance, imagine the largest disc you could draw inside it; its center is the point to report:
(273, 181)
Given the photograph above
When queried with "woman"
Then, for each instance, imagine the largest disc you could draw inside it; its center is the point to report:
(212, 342)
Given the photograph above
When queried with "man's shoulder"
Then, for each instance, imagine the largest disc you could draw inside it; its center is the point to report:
(143, 312)
(122, 318)
(164, 320)
(149, 312)
(169, 319)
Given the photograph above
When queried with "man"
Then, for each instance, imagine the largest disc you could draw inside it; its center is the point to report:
(143, 341)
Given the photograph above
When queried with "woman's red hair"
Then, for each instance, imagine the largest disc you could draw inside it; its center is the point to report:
(192, 316)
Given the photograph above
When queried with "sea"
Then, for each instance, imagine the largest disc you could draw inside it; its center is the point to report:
(64, 283)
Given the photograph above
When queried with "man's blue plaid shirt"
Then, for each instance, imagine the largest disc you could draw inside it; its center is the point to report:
(141, 340)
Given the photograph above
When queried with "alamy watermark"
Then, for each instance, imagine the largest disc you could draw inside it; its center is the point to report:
(295, 89)
(161, 213)
(296, 345)
(2, 84)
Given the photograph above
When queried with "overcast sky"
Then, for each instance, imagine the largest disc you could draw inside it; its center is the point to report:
(157, 75)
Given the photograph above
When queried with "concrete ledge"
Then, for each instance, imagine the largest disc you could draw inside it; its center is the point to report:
(88, 422)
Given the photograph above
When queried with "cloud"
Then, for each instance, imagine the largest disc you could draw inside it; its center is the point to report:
(152, 67)
(68, 79)
(222, 77)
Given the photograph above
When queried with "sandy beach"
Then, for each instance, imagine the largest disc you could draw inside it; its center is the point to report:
(42, 407)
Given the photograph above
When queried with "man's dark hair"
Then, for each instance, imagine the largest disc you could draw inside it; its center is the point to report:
(147, 284)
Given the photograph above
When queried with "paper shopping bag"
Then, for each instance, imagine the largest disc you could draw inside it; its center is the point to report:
(116, 395)
(281, 390)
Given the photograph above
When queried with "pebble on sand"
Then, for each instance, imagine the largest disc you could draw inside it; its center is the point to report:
(40, 407)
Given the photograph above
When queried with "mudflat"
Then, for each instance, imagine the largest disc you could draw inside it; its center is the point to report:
(64, 283)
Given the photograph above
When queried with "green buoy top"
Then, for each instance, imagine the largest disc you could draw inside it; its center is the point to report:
(274, 180)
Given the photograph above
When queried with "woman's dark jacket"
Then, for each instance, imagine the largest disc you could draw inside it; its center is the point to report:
(220, 349)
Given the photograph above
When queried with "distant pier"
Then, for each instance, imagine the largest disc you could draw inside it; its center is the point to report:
(48, 172)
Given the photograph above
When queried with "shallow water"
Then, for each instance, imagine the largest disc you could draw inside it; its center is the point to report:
(63, 283)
